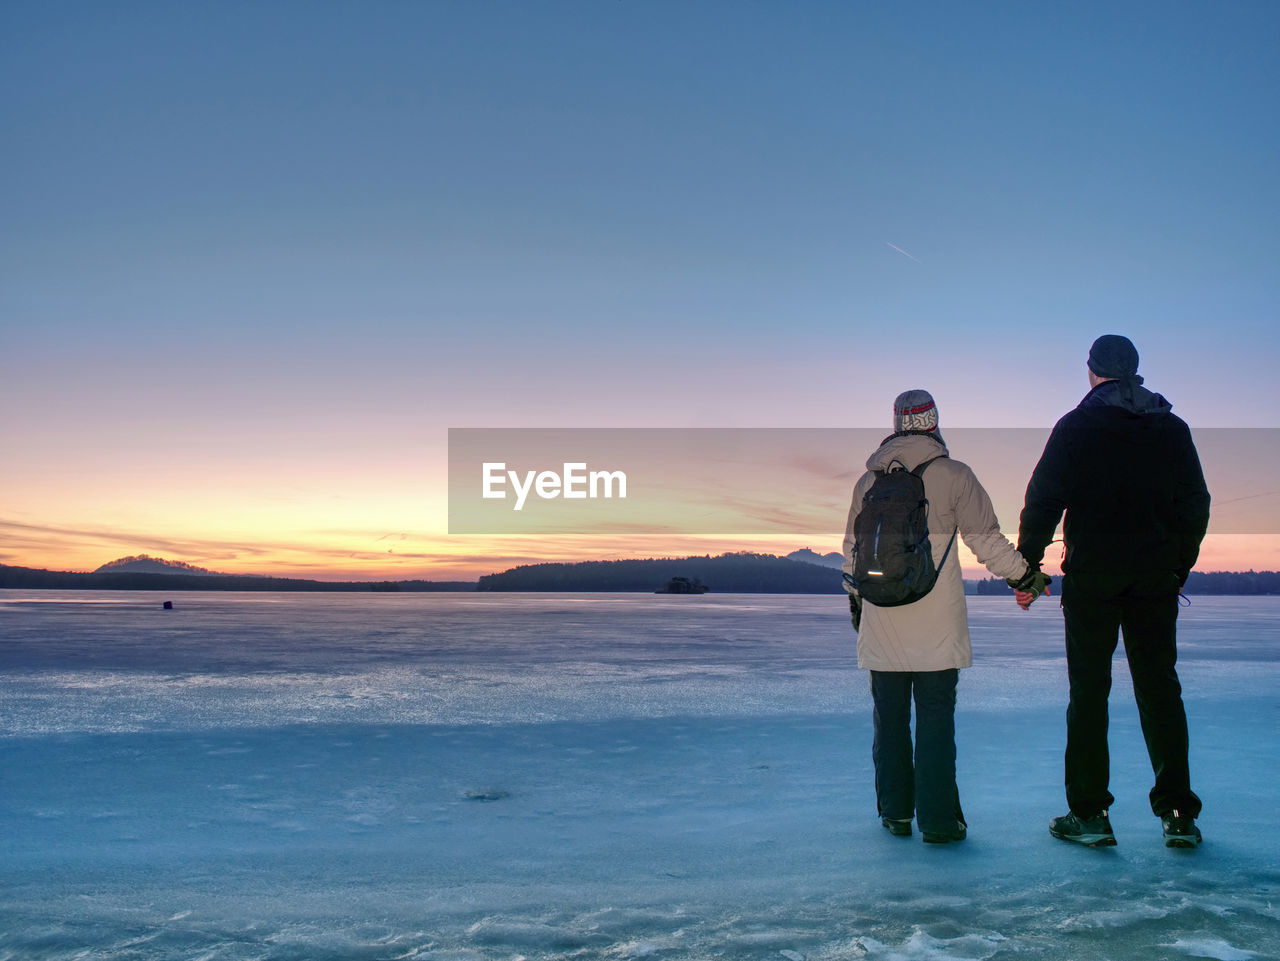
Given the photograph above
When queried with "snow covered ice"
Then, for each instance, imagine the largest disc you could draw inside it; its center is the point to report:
(459, 776)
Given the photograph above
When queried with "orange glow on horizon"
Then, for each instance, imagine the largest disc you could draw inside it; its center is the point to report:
(403, 555)
(343, 514)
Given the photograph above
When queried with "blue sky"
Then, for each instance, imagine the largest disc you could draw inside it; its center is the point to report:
(317, 235)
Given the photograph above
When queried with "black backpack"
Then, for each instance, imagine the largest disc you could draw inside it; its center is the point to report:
(892, 557)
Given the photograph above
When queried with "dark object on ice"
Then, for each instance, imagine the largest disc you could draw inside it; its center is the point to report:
(682, 585)
(168, 605)
(486, 794)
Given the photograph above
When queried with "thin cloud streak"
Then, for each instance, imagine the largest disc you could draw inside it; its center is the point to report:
(904, 253)
(41, 535)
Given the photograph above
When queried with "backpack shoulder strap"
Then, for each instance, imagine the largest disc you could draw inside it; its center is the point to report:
(947, 552)
(919, 471)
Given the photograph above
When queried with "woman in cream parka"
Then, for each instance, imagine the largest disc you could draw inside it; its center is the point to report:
(917, 649)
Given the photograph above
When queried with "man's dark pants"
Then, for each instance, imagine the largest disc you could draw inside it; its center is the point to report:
(1145, 610)
(925, 786)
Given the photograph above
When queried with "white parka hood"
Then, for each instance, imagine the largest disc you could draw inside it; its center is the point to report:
(909, 449)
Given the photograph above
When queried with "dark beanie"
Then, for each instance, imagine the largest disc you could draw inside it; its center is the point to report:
(1113, 356)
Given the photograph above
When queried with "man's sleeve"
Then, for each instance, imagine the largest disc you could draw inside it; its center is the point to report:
(1191, 504)
(1046, 497)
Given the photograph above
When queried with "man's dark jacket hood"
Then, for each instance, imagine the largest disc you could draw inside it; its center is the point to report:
(1131, 396)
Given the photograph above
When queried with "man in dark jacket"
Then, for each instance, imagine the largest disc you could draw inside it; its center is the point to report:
(1124, 469)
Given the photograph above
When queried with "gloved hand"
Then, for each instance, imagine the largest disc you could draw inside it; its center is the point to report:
(1030, 586)
(855, 610)
(1024, 598)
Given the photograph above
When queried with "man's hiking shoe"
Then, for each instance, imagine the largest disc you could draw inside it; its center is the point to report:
(1180, 831)
(898, 827)
(1094, 832)
(944, 837)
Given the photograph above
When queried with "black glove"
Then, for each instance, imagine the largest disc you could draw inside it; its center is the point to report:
(855, 610)
(1033, 582)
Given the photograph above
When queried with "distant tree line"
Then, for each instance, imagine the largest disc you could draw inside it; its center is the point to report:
(1233, 582)
(1212, 582)
(743, 573)
(26, 577)
(737, 573)
(991, 585)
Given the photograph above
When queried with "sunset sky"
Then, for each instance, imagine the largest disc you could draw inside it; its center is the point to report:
(256, 259)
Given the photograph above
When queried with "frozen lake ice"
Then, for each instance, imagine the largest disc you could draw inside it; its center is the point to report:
(460, 776)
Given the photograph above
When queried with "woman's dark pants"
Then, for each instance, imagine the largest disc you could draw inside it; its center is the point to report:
(923, 784)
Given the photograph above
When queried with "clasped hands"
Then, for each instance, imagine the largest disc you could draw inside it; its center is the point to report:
(1030, 586)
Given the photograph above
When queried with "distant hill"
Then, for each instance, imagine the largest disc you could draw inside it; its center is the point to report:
(806, 556)
(725, 574)
(146, 564)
